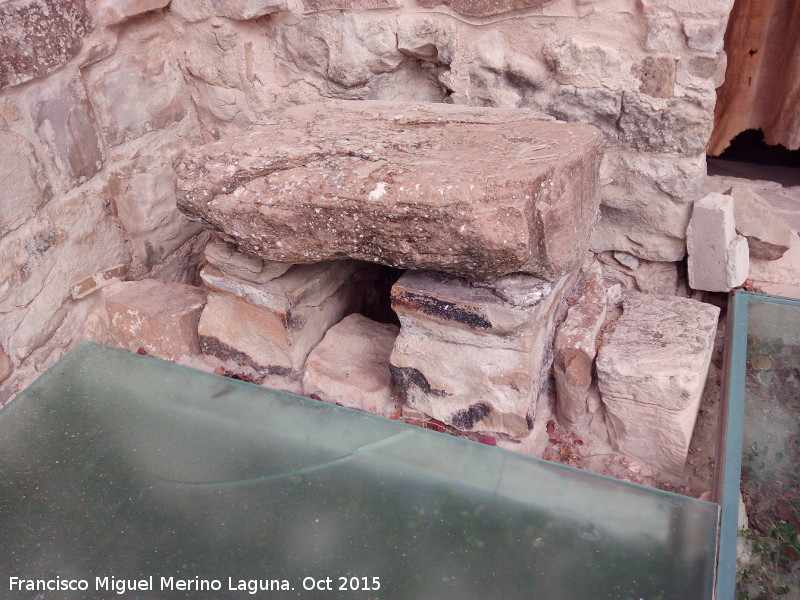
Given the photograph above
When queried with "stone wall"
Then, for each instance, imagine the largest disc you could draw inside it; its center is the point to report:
(99, 99)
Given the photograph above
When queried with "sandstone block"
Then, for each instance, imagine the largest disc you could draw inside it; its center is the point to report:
(575, 347)
(38, 36)
(242, 10)
(23, 187)
(160, 318)
(271, 327)
(111, 12)
(657, 74)
(65, 124)
(483, 8)
(768, 237)
(366, 181)
(474, 356)
(135, 94)
(350, 366)
(651, 371)
(226, 257)
(718, 257)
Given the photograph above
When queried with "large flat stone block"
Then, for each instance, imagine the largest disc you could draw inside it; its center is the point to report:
(474, 192)
(651, 371)
(474, 357)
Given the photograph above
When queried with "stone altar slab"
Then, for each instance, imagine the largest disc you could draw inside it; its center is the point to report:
(474, 192)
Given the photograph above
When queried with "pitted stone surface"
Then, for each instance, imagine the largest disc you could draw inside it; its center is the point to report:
(474, 192)
(38, 36)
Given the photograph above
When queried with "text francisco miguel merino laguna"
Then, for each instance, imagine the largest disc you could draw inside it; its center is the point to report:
(147, 584)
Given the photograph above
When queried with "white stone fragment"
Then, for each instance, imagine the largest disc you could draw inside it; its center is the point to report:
(718, 257)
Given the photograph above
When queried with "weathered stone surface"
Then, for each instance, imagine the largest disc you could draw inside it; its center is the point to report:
(38, 36)
(159, 318)
(350, 366)
(65, 124)
(665, 125)
(242, 10)
(768, 238)
(428, 37)
(651, 371)
(111, 12)
(312, 5)
(143, 199)
(271, 327)
(718, 257)
(474, 356)
(483, 8)
(70, 239)
(575, 347)
(365, 180)
(226, 257)
(23, 187)
(135, 94)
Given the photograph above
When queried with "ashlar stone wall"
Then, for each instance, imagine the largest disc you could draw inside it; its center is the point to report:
(99, 99)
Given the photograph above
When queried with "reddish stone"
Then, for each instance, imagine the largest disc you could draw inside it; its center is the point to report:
(312, 5)
(38, 36)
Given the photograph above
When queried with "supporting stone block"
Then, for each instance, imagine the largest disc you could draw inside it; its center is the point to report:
(575, 348)
(651, 372)
(350, 366)
(474, 356)
(159, 318)
(271, 327)
(718, 257)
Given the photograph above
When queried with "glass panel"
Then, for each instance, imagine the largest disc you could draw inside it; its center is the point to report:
(770, 475)
(118, 465)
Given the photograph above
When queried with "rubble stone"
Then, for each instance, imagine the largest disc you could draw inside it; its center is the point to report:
(718, 257)
(575, 347)
(475, 356)
(768, 238)
(312, 5)
(159, 318)
(365, 181)
(350, 366)
(23, 187)
(133, 95)
(71, 238)
(65, 124)
(38, 36)
(271, 327)
(651, 372)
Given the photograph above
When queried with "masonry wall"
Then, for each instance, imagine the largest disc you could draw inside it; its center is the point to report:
(98, 100)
